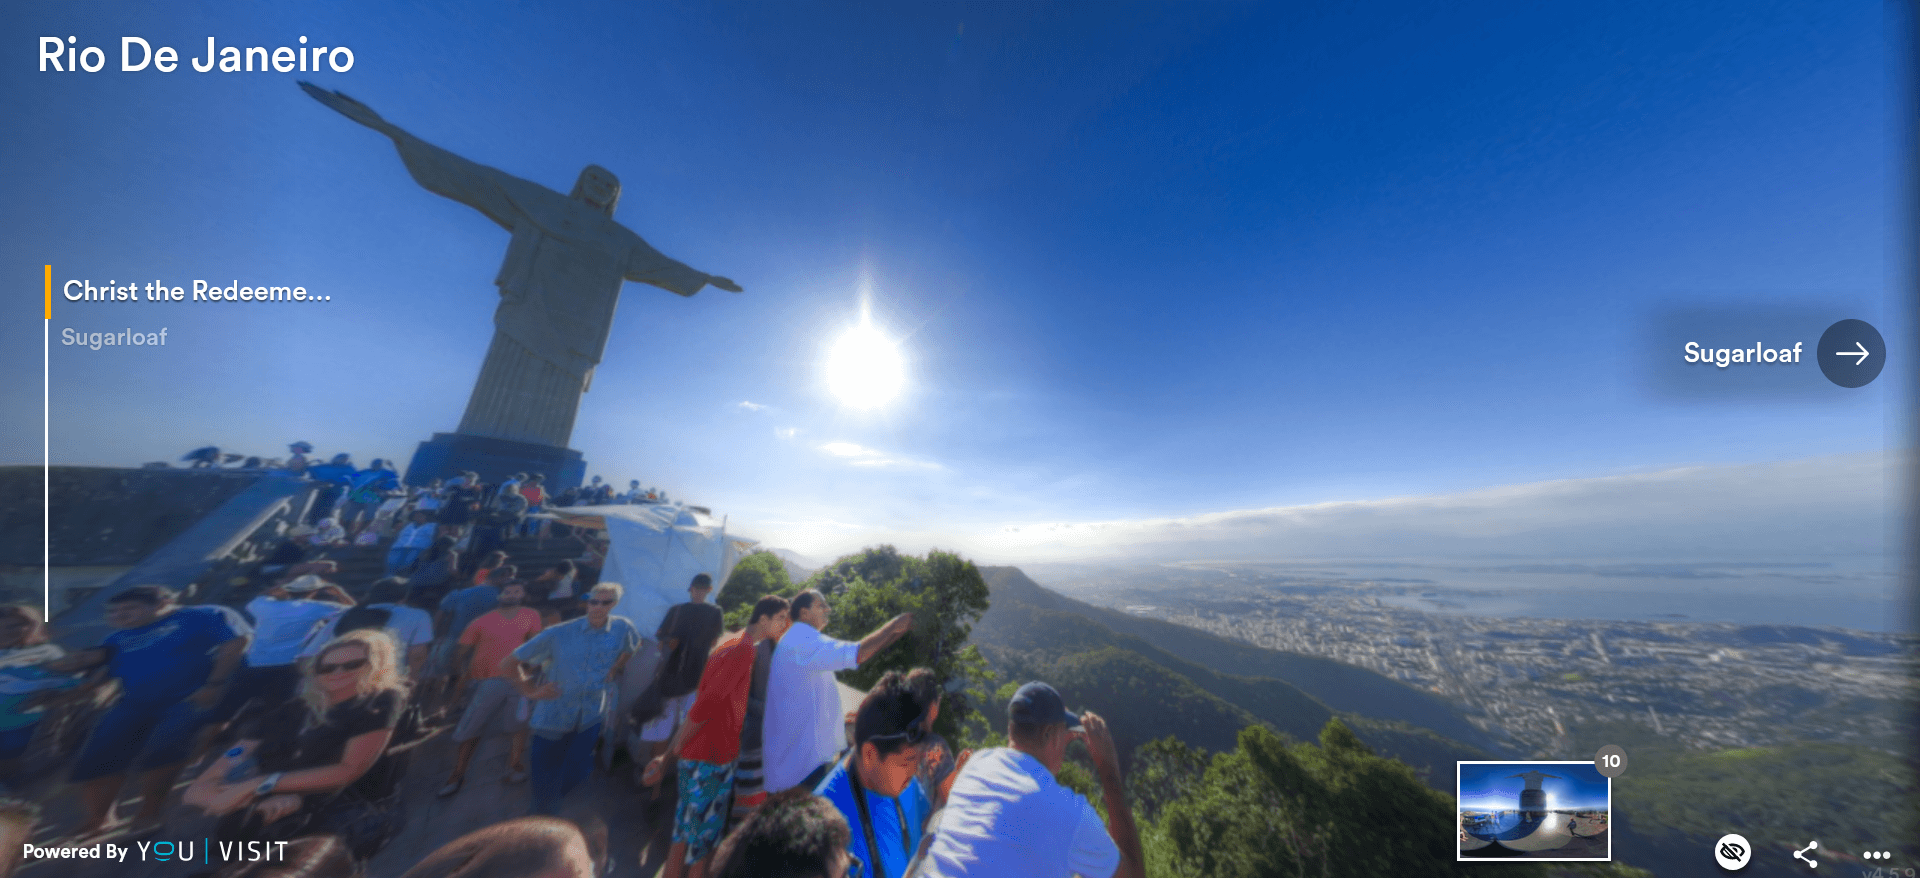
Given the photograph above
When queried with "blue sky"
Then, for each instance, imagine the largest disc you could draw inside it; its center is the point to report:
(1146, 262)
(1492, 786)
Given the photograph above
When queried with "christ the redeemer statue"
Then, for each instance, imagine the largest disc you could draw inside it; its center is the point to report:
(1533, 778)
(558, 285)
(1534, 797)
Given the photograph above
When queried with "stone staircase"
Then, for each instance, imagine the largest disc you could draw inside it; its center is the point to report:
(361, 566)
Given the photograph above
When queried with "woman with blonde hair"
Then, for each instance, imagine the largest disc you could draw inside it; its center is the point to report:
(319, 764)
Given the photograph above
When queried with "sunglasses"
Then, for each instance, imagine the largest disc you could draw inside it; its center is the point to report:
(352, 665)
(605, 603)
(856, 867)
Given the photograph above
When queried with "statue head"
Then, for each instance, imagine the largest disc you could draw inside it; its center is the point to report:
(598, 187)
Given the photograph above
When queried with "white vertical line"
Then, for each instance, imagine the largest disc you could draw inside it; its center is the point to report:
(46, 470)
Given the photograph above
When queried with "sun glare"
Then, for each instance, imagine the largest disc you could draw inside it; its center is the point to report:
(864, 368)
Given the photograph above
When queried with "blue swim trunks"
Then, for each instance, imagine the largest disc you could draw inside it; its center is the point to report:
(702, 812)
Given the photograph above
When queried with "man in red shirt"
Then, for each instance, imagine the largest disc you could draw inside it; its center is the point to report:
(709, 741)
(485, 642)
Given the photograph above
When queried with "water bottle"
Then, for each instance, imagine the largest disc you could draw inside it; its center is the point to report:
(243, 769)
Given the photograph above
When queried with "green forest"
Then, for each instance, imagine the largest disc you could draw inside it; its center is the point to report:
(1289, 765)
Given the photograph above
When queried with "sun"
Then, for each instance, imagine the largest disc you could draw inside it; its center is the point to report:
(864, 368)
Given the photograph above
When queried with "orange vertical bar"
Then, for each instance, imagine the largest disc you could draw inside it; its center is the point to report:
(49, 292)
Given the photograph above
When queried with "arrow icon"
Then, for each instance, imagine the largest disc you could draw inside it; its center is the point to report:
(1851, 338)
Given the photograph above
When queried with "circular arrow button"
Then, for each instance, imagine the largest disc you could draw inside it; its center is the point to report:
(1852, 353)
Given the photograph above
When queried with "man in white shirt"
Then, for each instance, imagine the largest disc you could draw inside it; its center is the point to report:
(1007, 815)
(283, 616)
(804, 726)
(410, 627)
(413, 541)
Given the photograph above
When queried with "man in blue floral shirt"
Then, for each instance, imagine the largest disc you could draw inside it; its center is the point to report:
(570, 672)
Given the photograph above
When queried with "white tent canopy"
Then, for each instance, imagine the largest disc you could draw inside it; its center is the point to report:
(654, 551)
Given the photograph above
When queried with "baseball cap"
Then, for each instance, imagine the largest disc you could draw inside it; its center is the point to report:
(1040, 704)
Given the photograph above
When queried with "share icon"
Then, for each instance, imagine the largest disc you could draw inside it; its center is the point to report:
(1801, 854)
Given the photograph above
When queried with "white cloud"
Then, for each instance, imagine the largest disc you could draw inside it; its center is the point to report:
(826, 524)
(787, 432)
(1808, 509)
(860, 455)
(899, 463)
(748, 405)
(1844, 504)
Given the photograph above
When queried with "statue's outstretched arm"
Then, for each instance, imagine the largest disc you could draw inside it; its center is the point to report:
(440, 171)
(649, 266)
(353, 109)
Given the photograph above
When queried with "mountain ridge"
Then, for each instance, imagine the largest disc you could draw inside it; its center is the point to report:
(1147, 690)
(1340, 686)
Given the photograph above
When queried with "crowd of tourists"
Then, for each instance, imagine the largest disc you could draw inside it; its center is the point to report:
(297, 714)
(373, 493)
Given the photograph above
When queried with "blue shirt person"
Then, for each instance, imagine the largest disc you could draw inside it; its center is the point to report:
(174, 664)
(570, 673)
(896, 822)
(163, 662)
(875, 786)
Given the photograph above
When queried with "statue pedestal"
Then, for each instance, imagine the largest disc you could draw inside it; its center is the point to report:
(449, 454)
